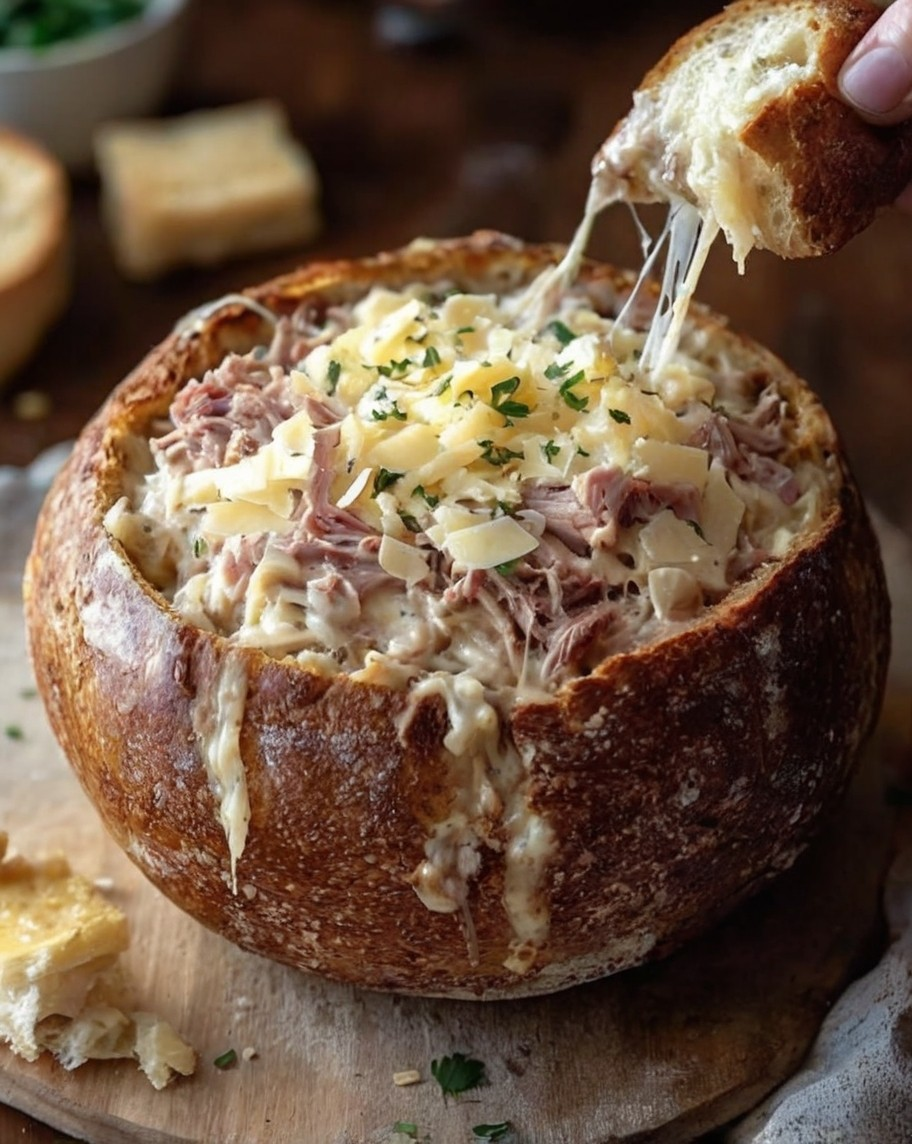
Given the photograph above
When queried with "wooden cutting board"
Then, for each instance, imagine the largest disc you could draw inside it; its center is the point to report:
(659, 1054)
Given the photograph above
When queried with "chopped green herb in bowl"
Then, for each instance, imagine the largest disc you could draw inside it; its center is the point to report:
(37, 24)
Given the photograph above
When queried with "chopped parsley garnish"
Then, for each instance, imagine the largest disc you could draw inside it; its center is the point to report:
(226, 1059)
(411, 522)
(457, 1074)
(619, 416)
(550, 449)
(38, 23)
(566, 391)
(499, 455)
(429, 499)
(12, 731)
(333, 373)
(431, 358)
(491, 1131)
(444, 385)
(507, 568)
(465, 330)
(394, 368)
(394, 411)
(554, 371)
(697, 529)
(200, 547)
(384, 479)
(581, 452)
(562, 332)
(501, 395)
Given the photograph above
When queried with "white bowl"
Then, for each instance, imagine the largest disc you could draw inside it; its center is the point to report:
(60, 94)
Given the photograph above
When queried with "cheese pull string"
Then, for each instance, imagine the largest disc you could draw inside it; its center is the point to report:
(688, 239)
(537, 304)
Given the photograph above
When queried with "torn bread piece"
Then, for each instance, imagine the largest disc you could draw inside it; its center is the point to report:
(742, 119)
(205, 187)
(62, 987)
(35, 262)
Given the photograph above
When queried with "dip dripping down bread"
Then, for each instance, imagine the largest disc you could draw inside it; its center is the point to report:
(742, 119)
(403, 638)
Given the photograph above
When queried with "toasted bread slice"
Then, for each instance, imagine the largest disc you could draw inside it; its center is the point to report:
(205, 187)
(34, 247)
(742, 118)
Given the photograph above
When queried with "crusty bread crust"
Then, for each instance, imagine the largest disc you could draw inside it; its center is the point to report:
(760, 708)
(826, 172)
(35, 258)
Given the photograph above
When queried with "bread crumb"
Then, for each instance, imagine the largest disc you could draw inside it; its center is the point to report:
(32, 405)
(248, 1053)
(406, 1077)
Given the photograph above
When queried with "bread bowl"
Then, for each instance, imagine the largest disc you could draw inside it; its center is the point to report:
(588, 742)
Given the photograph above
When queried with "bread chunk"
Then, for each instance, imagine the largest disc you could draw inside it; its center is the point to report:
(204, 187)
(34, 249)
(62, 988)
(742, 119)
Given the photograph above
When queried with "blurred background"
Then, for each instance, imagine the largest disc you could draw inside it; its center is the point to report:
(433, 117)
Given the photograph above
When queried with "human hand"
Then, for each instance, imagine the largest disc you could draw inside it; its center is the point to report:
(876, 79)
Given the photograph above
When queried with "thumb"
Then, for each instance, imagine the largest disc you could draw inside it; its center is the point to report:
(876, 78)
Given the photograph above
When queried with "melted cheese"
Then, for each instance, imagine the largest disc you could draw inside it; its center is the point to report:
(217, 719)
(491, 808)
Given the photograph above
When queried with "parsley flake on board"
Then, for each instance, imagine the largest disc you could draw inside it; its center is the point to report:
(12, 731)
(226, 1060)
(458, 1073)
(492, 1131)
(406, 1128)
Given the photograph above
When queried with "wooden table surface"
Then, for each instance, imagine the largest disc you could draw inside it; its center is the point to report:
(492, 125)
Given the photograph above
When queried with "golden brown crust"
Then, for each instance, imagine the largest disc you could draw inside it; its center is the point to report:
(677, 777)
(840, 169)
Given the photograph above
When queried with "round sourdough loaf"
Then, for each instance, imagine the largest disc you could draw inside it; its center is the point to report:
(319, 815)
